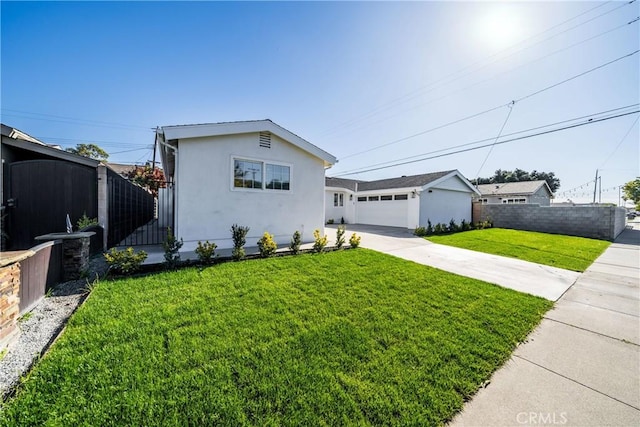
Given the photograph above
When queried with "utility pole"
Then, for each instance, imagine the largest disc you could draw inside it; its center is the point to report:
(600, 192)
(595, 187)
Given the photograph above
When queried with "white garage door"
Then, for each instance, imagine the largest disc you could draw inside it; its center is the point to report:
(391, 213)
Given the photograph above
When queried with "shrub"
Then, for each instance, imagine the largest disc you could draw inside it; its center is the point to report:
(85, 221)
(465, 226)
(239, 236)
(429, 228)
(439, 229)
(453, 227)
(206, 252)
(342, 220)
(296, 241)
(266, 245)
(340, 236)
(125, 261)
(483, 224)
(354, 240)
(420, 231)
(171, 247)
(330, 221)
(319, 241)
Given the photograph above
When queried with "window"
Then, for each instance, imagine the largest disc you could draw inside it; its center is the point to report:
(341, 199)
(362, 199)
(401, 197)
(277, 177)
(260, 175)
(373, 198)
(386, 197)
(247, 174)
(338, 199)
(511, 201)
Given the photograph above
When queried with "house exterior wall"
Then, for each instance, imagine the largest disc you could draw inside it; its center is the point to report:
(440, 206)
(597, 222)
(336, 213)
(207, 204)
(541, 197)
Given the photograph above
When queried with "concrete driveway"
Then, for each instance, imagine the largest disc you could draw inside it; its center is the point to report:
(547, 282)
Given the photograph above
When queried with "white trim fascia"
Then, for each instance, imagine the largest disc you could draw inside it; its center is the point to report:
(233, 128)
(389, 191)
(451, 175)
(339, 189)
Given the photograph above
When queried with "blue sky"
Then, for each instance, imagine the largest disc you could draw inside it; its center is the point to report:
(348, 77)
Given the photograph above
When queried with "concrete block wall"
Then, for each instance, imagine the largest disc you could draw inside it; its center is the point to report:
(597, 222)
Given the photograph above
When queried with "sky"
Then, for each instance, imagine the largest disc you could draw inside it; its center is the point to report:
(375, 84)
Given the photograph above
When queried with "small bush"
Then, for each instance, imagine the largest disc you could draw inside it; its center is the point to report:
(296, 241)
(171, 248)
(125, 261)
(342, 220)
(354, 240)
(420, 231)
(85, 221)
(465, 226)
(340, 236)
(453, 227)
(481, 225)
(239, 236)
(330, 221)
(319, 242)
(206, 252)
(267, 245)
(439, 229)
(429, 228)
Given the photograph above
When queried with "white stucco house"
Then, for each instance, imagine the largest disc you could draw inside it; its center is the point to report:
(406, 201)
(516, 192)
(250, 173)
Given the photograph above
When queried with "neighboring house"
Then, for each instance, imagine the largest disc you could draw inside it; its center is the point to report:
(537, 192)
(250, 173)
(406, 201)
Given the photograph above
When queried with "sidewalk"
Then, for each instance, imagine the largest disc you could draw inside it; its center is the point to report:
(581, 366)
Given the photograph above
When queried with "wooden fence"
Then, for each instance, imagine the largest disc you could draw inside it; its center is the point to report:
(39, 272)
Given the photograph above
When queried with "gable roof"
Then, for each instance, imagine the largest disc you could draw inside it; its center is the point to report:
(423, 181)
(166, 134)
(513, 188)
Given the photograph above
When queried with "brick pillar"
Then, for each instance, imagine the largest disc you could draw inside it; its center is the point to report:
(9, 303)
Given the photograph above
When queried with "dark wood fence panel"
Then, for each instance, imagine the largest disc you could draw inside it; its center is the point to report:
(130, 207)
(43, 193)
(38, 273)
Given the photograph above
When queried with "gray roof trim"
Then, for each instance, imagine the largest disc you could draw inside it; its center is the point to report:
(48, 151)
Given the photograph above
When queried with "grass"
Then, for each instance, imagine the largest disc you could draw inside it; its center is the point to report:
(567, 252)
(343, 338)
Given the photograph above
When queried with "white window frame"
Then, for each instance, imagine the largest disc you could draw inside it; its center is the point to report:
(264, 163)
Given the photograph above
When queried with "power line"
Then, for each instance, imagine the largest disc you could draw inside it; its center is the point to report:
(72, 120)
(496, 140)
(601, 113)
(61, 140)
(589, 122)
(620, 143)
(489, 110)
(471, 67)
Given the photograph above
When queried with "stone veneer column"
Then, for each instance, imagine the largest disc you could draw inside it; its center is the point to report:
(10, 295)
(75, 252)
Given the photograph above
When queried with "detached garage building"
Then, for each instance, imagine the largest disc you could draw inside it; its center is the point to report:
(406, 201)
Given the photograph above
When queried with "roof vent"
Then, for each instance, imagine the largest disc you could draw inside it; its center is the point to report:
(265, 139)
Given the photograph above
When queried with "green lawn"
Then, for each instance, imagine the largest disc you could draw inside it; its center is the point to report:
(568, 252)
(343, 338)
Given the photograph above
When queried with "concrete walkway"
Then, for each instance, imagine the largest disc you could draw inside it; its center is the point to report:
(581, 366)
(547, 282)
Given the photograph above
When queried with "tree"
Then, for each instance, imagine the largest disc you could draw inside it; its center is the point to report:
(632, 192)
(148, 177)
(518, 175)
(89, 150)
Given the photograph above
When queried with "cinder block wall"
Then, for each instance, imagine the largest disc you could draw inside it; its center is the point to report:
(597, 222)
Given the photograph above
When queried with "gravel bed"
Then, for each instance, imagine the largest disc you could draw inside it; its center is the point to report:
(43, 326)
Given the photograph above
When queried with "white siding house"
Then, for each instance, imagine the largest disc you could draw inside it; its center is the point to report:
(253, 173)
(516, 192)
(407, 201)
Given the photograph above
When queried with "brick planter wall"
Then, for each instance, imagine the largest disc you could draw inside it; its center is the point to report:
(9, 302)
